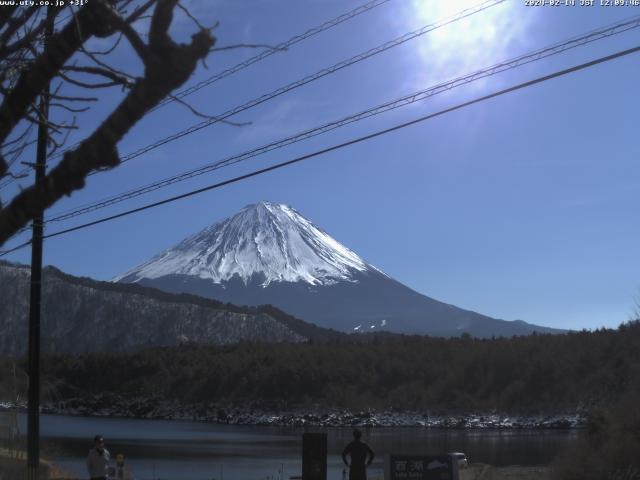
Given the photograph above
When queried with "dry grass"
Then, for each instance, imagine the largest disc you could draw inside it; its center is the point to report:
(12, 468)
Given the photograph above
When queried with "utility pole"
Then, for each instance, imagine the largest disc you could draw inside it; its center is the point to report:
(33, 420)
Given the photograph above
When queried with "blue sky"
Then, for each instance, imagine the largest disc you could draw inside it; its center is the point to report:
(521, 207)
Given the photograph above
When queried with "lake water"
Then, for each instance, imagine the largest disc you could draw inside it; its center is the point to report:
(163, 449)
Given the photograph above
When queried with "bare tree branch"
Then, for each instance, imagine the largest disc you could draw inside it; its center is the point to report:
(167, 66)
(37, 121)
(28, 37)
(193, 19)
(139, 11)
(57, 145)
(68, 108)
(136, 42)
(17, 151)
(74, 99)
(107, 73)
(105, 65)
(16, 177)
(6, 13)
(108, 50)
(60, 47)
(197, 113)
(19, 138)
(14, 24)
(80, 83)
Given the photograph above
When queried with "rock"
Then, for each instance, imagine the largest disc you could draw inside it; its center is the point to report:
(109, 405)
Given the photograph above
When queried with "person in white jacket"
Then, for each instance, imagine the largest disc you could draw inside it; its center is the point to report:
(98, 460)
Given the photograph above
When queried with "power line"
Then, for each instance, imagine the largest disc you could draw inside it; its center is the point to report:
(361, 139)
(283, 46)
(297, 84)
(313, 77)
(327, 71)
(310, 78)
(391, 105)
(278, 48)
(11, 178)
(15, 249)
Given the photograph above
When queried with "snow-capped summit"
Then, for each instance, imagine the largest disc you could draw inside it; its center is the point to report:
(266, 241)
(269, 253)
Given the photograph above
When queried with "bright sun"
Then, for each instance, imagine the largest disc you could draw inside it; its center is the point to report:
(478, 40)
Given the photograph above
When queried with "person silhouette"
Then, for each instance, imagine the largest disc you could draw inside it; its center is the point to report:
(361, 457)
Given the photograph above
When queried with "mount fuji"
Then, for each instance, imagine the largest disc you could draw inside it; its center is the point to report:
(269, 253)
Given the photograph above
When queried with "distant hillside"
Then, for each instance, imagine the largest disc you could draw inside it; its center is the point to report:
(83, 315)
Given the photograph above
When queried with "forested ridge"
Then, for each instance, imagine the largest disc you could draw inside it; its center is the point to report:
(597, 373)
(537, 373)
(84, 315)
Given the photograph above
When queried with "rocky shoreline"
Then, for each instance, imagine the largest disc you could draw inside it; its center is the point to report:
(156, 408)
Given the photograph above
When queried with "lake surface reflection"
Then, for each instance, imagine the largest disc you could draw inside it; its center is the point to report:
(164, 449)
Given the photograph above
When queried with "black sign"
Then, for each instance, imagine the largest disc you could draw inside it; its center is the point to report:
(314, 456)
(425, 467)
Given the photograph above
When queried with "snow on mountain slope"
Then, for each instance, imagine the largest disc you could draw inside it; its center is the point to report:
(266, 240)
(270, 254)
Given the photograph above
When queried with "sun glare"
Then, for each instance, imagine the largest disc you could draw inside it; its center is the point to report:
(478, 40)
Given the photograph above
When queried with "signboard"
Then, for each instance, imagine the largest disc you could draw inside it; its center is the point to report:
(420, 467)
(314, 456)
